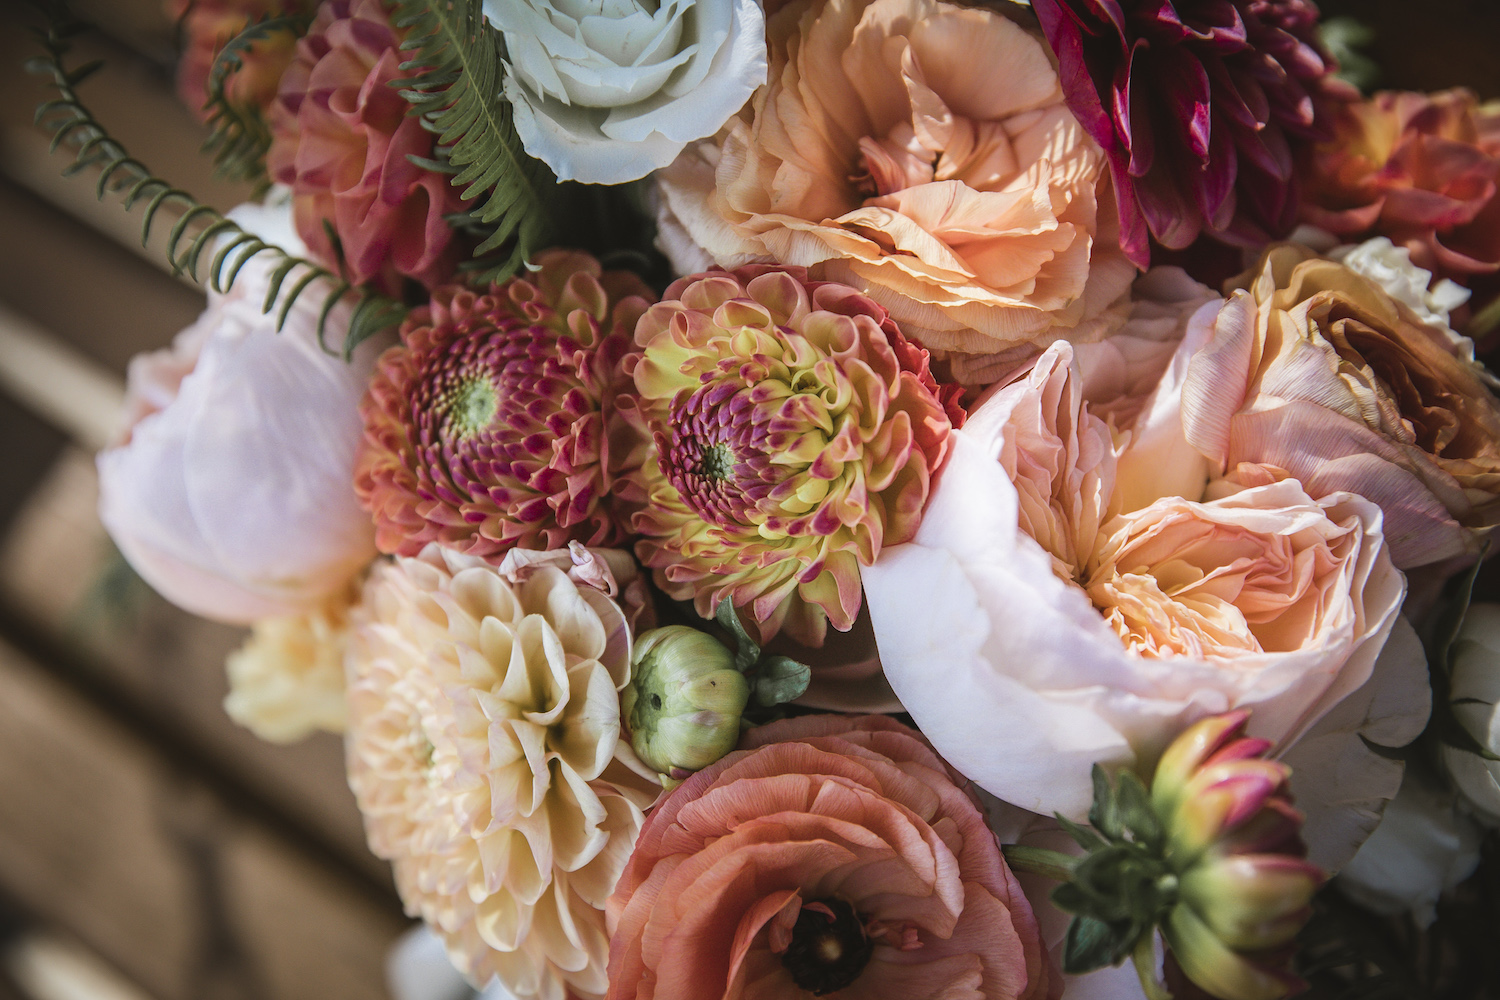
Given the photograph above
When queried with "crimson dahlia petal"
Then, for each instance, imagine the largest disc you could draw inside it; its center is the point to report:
(1198, 104)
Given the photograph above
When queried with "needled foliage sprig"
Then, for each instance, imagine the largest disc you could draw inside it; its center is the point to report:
(240, 136)
(198, 228)
(455, 62)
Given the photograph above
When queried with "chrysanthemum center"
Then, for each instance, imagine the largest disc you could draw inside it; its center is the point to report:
(718, 462)
(472, 405)
(829, 947)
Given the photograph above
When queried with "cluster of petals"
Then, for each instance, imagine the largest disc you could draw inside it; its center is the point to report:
(492, 424)
(1200, 105)
(1189, 601)
(1421, 169)
(817, 818)
(1314, 369)
(342, 139)
(795, 432)
(484, 753)
(921, 152)
(207, 26)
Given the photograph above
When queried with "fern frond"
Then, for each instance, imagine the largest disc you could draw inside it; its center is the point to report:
(455, 59)
(198, 227)
(240, 137)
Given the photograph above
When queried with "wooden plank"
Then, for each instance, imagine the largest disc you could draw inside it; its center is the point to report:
(193, 900)
(57, 569)
(67, 389)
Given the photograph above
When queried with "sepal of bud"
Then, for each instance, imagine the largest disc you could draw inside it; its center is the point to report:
(1217, 968)
(1252, 901)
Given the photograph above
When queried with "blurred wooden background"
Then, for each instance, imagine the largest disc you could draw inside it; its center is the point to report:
(149, 848)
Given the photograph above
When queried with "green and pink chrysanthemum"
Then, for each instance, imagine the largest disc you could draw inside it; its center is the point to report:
(795, 432)
(491, 425)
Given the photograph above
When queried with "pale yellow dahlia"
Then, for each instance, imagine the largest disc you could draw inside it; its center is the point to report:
(287, 680)
(795, 432)
(484, 752)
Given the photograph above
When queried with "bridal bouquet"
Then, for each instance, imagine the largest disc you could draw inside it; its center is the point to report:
(900, 499)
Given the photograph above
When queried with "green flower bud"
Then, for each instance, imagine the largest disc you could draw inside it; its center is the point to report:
(684, 701)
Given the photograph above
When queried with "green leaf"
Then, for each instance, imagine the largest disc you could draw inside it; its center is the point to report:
(1136, 815)
(455, 60)
(1091, 945)
(1082, 835)
(780, 679)
(1104, 814)
(747, 650)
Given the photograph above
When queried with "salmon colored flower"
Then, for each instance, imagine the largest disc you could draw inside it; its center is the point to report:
(829, 854)
(207, 26)
(921, 152)
(492, 425)
(342, 138)
(1422, 169)
(484, 753)
(795, 432)
(1314, 369)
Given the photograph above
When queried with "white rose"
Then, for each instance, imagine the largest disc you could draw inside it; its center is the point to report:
(1475, 691)
(1423, 847)
(1179, 610)
(232, 494)
(606, 91)
(1390, 267)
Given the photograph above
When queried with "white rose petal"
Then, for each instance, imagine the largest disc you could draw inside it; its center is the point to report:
(606, 91)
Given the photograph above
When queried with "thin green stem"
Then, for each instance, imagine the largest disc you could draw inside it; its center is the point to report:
(1041, 861)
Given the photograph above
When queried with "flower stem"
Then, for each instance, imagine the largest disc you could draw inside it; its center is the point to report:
(1041, 861)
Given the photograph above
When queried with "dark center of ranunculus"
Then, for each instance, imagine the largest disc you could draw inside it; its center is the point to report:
(829, 947)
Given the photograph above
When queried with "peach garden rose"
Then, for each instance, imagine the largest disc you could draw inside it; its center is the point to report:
(828, 854)
(921, 152)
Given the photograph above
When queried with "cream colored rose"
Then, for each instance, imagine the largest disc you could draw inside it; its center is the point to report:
(484, 753)
(1475, 691)
(287, 680)
(1264, 599)
(921, 152)
(605, 91)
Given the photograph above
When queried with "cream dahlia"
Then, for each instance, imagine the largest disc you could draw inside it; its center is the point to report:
(795, 432)
(484, 753)
(491, 424)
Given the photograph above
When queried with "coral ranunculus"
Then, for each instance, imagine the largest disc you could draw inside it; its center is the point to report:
(492, 424)
(341, 138)
(484, 752)
(829, 854)
(1314, 369)
(795, 431)
(920, 152)
(207, 26)
(1423, 170)
(1198, 104)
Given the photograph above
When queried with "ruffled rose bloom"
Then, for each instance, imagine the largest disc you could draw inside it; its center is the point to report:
(207, 26)
(829, 854)
(484, 752)
(920, 152)
(341, 138)
(287, 680)
(492, 424)
(1392, 268)
(1257, 597)
(1199, 104)
(1422, 169)
(795, 432)
(1314, 369)
(231, 493)
(608, 92)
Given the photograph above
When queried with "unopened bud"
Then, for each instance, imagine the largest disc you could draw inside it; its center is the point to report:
(684, 701)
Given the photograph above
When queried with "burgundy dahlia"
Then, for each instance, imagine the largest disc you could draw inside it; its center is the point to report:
(491, 425)
(1198, 104)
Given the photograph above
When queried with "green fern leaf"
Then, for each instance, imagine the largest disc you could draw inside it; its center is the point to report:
(455, 59)
(240, 137)
(197, 228)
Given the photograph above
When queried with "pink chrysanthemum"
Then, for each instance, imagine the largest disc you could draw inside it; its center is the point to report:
(795, 432)
(490, 426)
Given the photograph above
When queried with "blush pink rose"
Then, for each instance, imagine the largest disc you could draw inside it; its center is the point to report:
(829, 854)
(341, 137)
